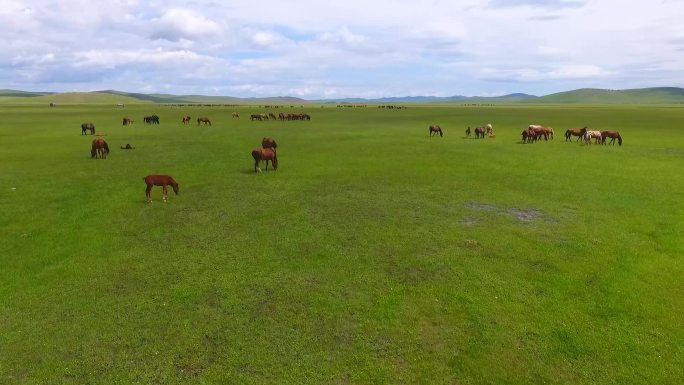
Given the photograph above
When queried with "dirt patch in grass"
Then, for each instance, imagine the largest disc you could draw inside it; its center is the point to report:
(524, 215)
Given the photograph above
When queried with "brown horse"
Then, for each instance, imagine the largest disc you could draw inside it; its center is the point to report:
(266, 154)
(87, 127)
(99, 149)
(434, 130)
(159, 180)
(612, 135)
(127, 121)
(467, 132)
(127, 147)
(186, 120)
(480, 132)
(269, 143)
(578, 132)
(235, 115)
(203, 119)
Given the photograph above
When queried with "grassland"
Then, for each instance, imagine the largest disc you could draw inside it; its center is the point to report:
(374, 255)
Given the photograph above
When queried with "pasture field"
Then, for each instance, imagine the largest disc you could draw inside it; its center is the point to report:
(373, 255)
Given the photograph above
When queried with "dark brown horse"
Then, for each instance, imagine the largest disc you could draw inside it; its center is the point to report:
(186, 120)
(269, 143)
(467, 132)
(266, 154)
(434, 130)
(87, 127)
(204, 120)
(612, 135)
(159, 180)
(127, 121)
(127, 147)
(480, 132)
(99, 149)
(578, 132)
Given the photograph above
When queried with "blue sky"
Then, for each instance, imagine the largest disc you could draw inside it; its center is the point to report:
(314, 49)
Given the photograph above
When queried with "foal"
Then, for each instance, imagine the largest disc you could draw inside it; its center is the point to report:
(159, 180)
(266, 154)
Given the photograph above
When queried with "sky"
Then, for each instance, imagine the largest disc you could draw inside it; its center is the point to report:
(317, 49)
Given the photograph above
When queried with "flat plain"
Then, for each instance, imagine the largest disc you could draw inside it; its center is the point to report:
(375, 254)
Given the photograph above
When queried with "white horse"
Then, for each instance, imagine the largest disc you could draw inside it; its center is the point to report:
(592, 134)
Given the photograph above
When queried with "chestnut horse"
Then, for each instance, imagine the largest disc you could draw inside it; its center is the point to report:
(186, 120)
(612, 135)
(99, 149)
(159, 180)
(127, 121)
(203, 119)
(578, 132)
(269, 143)
(434, 130)
(87, 127)
(547, 131)
(266, 154)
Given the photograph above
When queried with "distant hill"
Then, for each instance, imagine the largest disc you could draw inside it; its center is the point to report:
(658, 95)
(654, 95)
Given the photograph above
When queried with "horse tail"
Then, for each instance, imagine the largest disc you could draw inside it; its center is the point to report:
(106, 147)
(93, 151)
(440, 132)
(619, 139)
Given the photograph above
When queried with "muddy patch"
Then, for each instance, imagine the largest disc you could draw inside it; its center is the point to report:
(524, 215)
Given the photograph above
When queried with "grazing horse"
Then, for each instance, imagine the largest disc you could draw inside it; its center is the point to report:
(99, 149)
(578, 132)
(127, 121)
(612, 135)
(159, 180)
(547, 131)
(186, 120)
(127, 147)
(266, 154)
(489, 130)
(592, 134)
(235, 115)
(152, 119)
(269, 143)
(204, 120)
(467, 132)
(434, 130)
(480, 132)
(87, 127)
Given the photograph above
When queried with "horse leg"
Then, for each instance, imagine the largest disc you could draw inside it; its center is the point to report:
(165, 193)
(256, 166)
(148, 190)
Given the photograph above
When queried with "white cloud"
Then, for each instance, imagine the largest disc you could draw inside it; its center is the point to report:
(350, 48)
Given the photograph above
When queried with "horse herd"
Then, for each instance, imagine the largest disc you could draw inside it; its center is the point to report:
(100, 149)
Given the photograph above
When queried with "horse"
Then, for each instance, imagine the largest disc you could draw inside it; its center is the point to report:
(612, 135)
(480, 132)
(235, 115)
(99, 149)
(159, 180)
(87, 126)
(578, 132)
(489, 130)
(266, 154)
(204, 120)
(152, 119)
(548, 131)
(592, 134)
(127, 147)
(269, 143)
(186, 120)
(467, 132)
(434, 130)
(127, 121)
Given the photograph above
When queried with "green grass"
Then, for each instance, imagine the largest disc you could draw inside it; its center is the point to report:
(374, 255)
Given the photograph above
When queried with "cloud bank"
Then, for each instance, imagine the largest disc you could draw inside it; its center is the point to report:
(348, 49)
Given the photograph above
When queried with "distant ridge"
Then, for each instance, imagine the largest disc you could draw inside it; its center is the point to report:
(654, 95)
